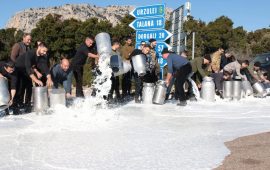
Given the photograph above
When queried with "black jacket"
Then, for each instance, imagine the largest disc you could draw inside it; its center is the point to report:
(11, 77)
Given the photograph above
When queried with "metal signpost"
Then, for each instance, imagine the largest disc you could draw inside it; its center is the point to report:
(150, 23)
(177, 19)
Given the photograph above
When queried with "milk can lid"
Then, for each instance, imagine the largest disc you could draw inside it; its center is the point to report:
(161, 82)
(207, 78)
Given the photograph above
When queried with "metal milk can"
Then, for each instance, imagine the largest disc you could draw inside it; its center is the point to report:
(116, 63)
(4, 93)
(247, 88)
(139, 64)
(259, 89)
(148, 93)
(126, 67)
(57, 97)
(228, 89)
(160, 92)
(40, 98)
(208, 89)
(237, 90)
(103, 42)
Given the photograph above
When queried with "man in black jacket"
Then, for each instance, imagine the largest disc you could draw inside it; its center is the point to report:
(21, 47)
(7, 71)
(86, 50)
(139, 79)
(26, 66)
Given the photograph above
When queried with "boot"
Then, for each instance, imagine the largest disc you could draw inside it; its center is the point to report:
(110, 97)
(16, 111)
(118, 96)
(192, 98)
(167, 96)
(221, 94)
(137, 100)
(28, 108)
(182, 103)
(16, 108)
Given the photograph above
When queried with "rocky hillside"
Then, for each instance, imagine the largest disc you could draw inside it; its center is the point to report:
(26, 20)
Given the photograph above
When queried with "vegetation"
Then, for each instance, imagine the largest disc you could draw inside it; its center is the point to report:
(220, 33)
(7, 38)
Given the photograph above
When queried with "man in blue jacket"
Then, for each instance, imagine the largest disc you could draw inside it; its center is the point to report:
(62, 74)
(181, 68)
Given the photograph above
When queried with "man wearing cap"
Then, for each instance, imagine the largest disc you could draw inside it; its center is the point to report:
(199, 68)
(183, 54)
(181, 68)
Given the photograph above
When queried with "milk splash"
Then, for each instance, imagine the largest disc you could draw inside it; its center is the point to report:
(102, 83)
(195, 89)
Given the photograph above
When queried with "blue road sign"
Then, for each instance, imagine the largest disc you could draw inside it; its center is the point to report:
(161, 45)
(159, 35)
(148, 11)
(162, 62)
(148, 23)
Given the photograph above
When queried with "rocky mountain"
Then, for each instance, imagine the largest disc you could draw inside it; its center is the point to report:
(27, 19)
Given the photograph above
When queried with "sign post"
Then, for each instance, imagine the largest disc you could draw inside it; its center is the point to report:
(177, 18)
(150, 23)
(159, 35)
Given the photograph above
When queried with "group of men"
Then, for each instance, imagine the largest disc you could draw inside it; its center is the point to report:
(218, 65)
(152, 68)
(30, 67)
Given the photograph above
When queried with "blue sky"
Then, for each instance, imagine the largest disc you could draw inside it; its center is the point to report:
(250, 14)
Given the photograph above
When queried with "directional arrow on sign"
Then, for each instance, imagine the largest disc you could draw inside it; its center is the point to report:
(148, 11)
(159, 35)
(161, 45)
(148, 23)
(161, 61)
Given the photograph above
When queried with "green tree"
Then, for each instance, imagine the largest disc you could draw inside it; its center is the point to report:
(198, 27)
(122, 29)
(57, 34)
(259, 41)
(218, 33)
(8, 37)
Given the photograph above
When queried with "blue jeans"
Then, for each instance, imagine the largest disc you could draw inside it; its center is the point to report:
(66, 83)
